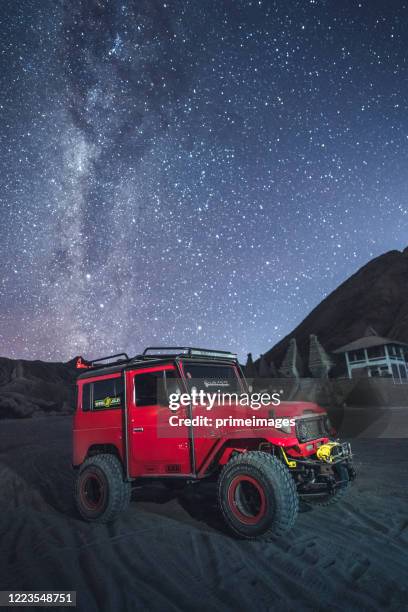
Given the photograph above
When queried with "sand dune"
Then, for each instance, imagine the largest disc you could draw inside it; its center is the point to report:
(172, 553)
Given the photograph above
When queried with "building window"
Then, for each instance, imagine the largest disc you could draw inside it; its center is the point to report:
(393, 350)
(375, 352)
(357, 355)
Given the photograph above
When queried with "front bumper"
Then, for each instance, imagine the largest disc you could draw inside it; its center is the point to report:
(316, 477)
(341, 452)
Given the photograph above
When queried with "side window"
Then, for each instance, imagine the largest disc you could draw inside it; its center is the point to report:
(86, 397)
(146, 388)
(107, 394)
(172, 384)
(154, 388)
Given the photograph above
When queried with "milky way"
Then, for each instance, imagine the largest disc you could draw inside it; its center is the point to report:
(193, 172)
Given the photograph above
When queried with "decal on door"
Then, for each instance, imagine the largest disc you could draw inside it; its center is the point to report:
(107, 402)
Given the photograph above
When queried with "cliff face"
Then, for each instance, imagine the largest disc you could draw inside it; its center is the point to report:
(376, 296)
(33, 388)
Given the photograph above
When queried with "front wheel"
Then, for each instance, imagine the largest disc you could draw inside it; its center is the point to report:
(257, 496)
(101, 492)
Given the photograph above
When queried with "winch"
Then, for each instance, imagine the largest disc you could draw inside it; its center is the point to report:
(329, 452)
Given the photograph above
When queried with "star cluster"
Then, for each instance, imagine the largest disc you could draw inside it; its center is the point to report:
(193, 172)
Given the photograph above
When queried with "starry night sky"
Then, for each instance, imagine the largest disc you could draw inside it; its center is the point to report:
(195, 172)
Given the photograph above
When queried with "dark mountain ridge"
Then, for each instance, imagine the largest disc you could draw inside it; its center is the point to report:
(34, 388)
(375, 296)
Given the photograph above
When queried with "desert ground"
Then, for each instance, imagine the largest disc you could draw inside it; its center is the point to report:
(170, 551)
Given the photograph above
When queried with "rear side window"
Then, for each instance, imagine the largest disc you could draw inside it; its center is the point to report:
(103, 394)
(154, 388)
(107, 394)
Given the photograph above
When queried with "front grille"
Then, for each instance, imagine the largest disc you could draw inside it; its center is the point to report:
(310, 429)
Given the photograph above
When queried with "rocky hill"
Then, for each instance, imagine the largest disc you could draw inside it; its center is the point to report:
(34, 388)
(376, 296)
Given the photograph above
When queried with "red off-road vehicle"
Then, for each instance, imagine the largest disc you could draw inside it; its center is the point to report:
(125, 434)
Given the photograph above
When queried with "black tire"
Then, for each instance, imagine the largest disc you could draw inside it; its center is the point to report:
(101, 493)
(333, 498)
(257, 496)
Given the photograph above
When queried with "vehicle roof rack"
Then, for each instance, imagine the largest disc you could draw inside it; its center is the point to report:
(154, 352)
(82, 363)
(125, 355)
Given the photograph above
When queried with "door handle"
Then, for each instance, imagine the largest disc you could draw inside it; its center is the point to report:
(137, 429)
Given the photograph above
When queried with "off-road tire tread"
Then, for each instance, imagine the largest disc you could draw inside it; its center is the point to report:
(119, 491)
(287, 500)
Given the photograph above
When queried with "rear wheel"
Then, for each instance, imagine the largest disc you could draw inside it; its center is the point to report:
(101, 492)
(257, 496)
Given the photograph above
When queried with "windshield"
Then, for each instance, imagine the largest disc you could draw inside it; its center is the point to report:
(212, 378)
